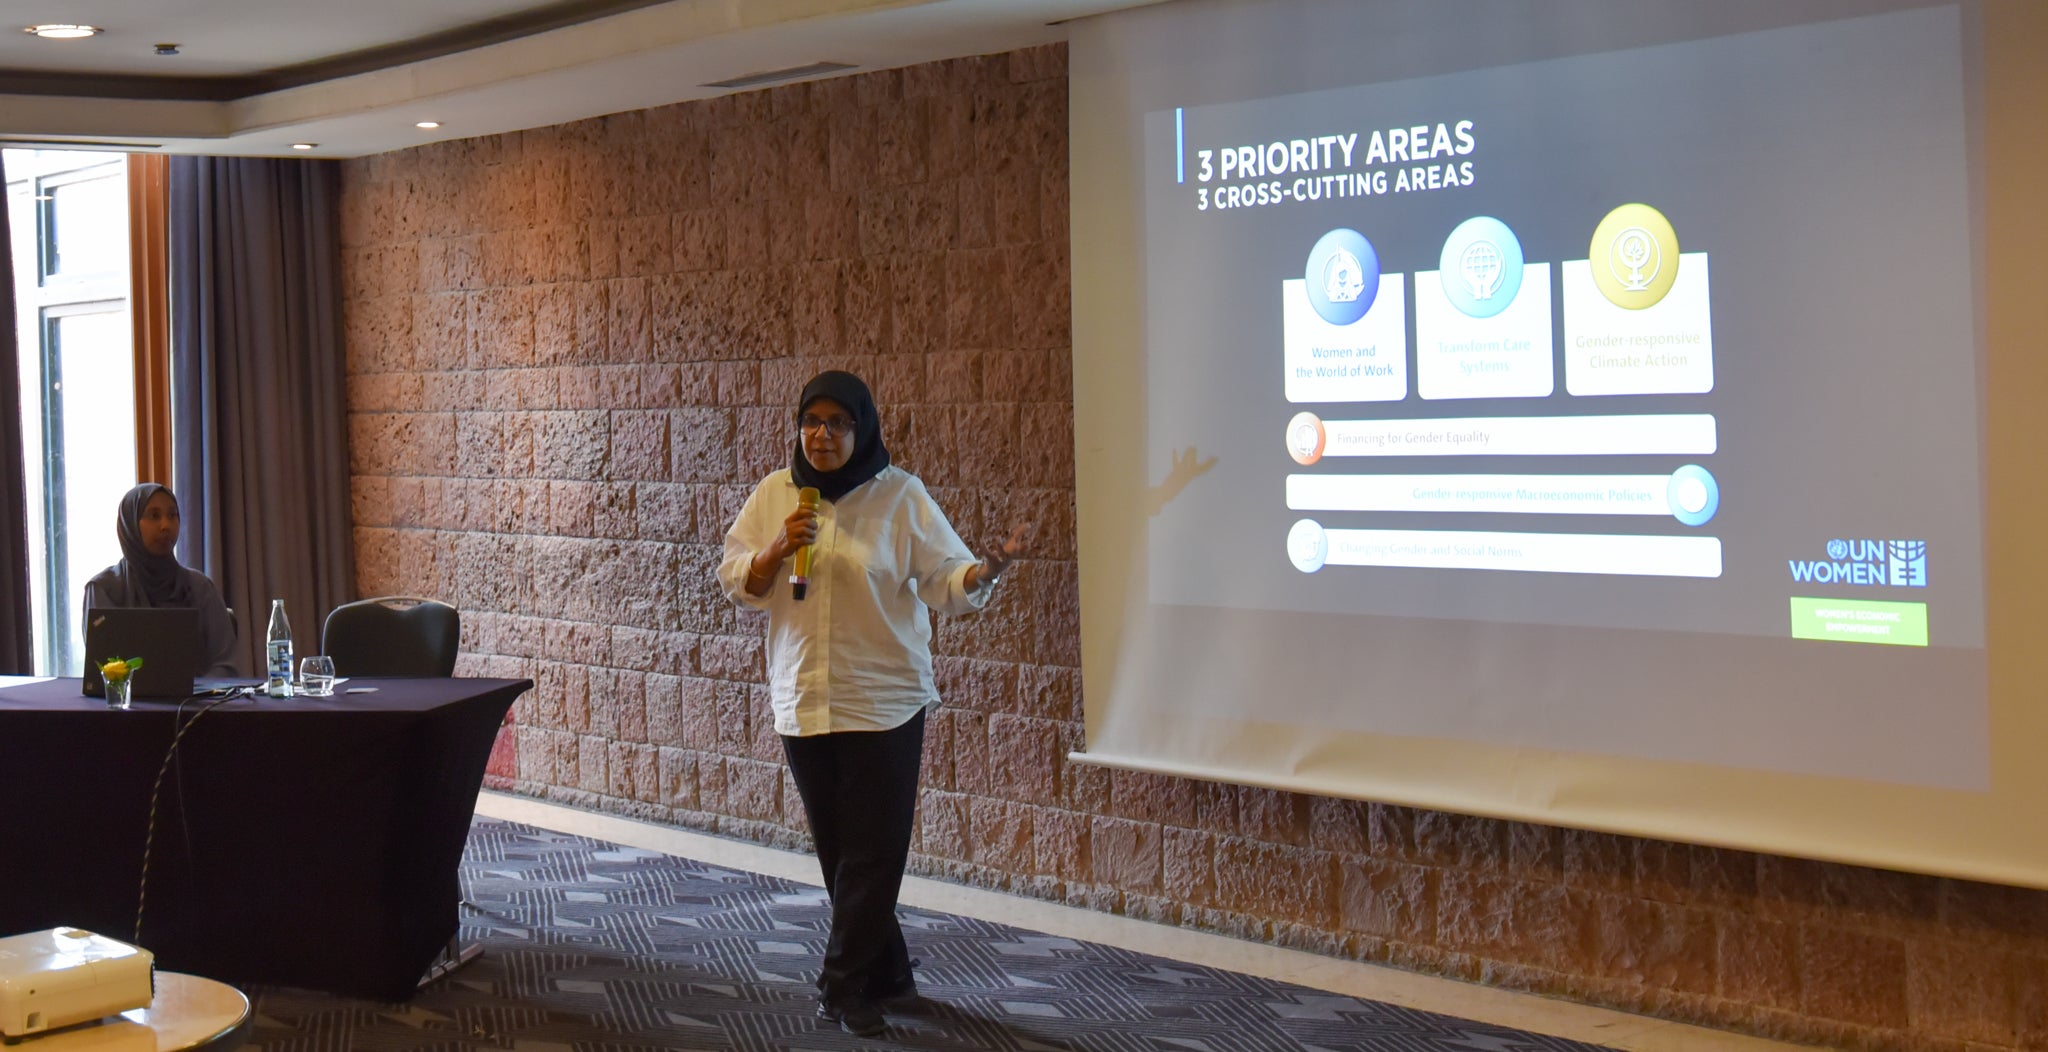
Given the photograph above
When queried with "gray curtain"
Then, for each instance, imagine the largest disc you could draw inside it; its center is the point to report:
(258, 391)
(17, 654)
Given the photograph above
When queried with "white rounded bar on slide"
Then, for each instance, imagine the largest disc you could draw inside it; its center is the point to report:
(1508, 494)
(1663, 434)
(1588, 553)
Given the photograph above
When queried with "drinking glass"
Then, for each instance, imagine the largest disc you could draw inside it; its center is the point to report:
(117, 693)
(316, 677)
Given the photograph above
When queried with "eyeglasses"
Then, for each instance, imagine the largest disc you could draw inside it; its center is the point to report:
(838, 426)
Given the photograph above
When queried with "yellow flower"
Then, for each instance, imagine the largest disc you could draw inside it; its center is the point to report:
(117, 669)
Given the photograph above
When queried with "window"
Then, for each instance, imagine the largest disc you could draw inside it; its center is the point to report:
(69, 215)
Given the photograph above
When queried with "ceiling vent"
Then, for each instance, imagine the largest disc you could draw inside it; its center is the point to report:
(755, 80)
(24, 143)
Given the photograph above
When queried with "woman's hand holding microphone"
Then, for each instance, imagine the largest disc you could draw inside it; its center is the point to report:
(799, 530)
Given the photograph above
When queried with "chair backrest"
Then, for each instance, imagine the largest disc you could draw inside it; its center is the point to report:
(392, 636)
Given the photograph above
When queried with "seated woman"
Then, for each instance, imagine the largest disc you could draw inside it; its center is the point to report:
(149, 574)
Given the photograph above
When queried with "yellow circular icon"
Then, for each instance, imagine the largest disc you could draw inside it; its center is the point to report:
(1634, 256)
(1306, 438)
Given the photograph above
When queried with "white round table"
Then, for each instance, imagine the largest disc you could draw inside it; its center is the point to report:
(189, 1013)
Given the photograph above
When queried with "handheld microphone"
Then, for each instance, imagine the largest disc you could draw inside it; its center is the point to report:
(800, 573)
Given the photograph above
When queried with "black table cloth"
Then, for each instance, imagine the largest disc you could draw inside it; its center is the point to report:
(308, 842)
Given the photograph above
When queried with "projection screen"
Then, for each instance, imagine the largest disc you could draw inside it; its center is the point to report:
(1608, 414)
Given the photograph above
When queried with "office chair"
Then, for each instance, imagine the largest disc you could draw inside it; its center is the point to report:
(392, 636)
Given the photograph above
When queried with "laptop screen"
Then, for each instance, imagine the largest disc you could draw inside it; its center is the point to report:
(165, 638)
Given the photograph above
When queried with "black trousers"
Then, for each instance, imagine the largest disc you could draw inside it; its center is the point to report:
(860, 793)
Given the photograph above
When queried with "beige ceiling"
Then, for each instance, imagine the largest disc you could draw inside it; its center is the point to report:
(255, 76)
(220, 39)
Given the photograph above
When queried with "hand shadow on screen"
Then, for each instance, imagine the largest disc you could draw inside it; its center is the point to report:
(1187, 466)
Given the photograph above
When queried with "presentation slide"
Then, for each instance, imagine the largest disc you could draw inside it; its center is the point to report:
(1624, 401)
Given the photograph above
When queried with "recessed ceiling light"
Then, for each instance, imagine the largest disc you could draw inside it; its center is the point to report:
(430, 125)
(62, 31)
(304, 145)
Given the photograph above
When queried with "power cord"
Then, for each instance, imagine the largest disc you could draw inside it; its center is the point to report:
(178, 776)
(156, 791)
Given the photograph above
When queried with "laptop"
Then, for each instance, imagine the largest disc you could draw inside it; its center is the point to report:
(165, 638)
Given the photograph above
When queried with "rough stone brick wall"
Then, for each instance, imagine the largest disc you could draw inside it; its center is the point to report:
(572, 351)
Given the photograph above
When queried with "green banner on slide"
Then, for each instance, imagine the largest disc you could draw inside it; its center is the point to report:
(1860, 621)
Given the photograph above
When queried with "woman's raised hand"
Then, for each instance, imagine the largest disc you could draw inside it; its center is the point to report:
(1005, 553)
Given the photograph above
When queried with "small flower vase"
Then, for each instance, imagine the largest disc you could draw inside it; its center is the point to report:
(117, 693)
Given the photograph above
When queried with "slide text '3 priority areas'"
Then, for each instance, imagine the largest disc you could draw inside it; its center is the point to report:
(1327, 167)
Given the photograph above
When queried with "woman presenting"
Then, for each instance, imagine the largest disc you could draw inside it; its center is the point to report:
(850, 665)
(149, 574)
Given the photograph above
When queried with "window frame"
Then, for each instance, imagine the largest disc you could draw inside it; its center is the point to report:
(141, 287)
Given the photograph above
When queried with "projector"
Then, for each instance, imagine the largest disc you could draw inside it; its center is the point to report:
(51, 979)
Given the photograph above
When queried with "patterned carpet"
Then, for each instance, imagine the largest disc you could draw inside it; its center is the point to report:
(591, 947)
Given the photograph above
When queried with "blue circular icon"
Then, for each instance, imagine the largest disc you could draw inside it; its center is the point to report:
(1308, 546)
(1343, 276)
(1838, 549)
(1481, 266)
(1694, 495)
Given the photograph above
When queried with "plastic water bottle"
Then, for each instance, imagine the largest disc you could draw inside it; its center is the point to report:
(277, 653)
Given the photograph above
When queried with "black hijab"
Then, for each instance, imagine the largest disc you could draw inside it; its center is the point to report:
(153, 580)
(869, 455)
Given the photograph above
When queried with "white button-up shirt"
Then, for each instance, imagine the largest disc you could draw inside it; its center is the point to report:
(855, 654)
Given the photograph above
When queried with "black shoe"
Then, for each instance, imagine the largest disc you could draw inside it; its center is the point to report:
(900, 992)
(858, 1016)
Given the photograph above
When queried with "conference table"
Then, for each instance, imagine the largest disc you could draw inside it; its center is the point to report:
(309, 842)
